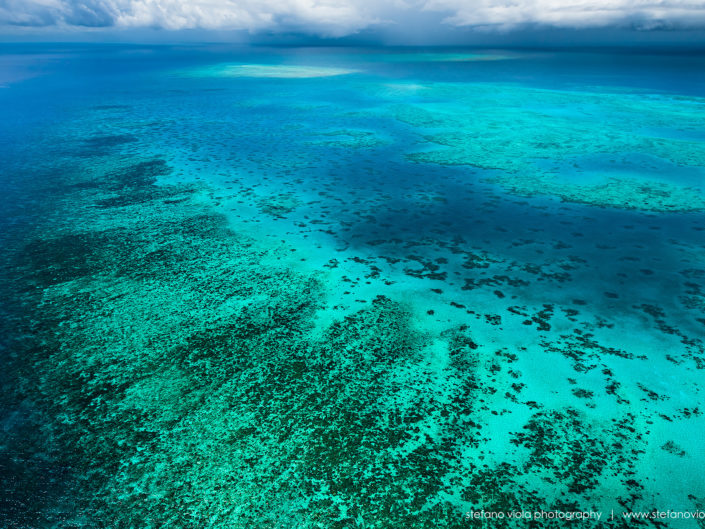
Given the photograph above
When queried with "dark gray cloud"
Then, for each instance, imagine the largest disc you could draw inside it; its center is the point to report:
(90, 13)
(43, 13)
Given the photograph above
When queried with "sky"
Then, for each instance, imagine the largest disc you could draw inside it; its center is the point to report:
(397, 21)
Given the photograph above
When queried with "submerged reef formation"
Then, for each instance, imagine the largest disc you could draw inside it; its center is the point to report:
(269, 318)
(537, 143)
(178, 373)
(183, 379)
(350, 139)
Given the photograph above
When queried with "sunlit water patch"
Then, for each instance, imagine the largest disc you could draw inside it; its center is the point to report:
(273, 71)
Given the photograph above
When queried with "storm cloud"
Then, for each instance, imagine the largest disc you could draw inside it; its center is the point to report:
(335, 18)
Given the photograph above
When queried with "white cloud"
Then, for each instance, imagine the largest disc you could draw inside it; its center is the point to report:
(573, 13)
(319, 16)
(343, 17)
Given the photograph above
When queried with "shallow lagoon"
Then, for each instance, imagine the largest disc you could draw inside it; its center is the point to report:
(420, 284)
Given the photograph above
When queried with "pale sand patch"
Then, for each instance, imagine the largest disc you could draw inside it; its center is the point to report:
(274, 71)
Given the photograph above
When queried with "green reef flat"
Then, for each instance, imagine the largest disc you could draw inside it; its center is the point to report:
(364, 301)
(559, 144)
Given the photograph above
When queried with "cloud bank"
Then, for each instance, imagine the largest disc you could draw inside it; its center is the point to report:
(334, 18)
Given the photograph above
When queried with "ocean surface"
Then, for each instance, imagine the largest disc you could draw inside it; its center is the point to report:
(335, 288)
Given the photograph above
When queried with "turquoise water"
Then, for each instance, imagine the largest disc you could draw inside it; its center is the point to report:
(303, 288)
